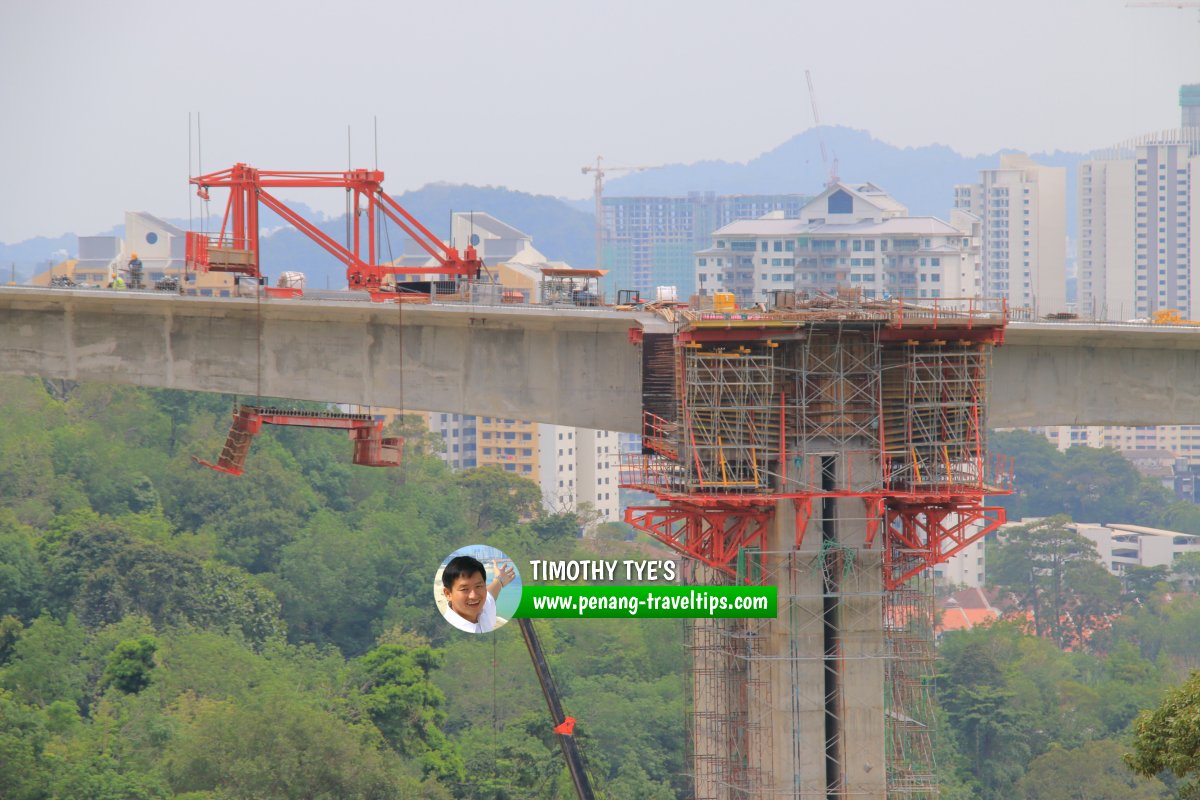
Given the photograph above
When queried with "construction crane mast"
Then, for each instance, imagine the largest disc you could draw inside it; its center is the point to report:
(812, 96)
(600, 171)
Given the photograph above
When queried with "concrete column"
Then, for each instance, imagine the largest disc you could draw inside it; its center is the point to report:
(793, 719)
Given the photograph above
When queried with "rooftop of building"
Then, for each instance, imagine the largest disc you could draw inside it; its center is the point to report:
(1128, 149)
(1119, 527)
(154, 222)
(482, 223)
(760, 227)
(894, 226)
(970, 598)
(876, 195)
(965, 609)
(926, 226)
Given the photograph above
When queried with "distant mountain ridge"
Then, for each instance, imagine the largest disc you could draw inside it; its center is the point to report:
(921, 178)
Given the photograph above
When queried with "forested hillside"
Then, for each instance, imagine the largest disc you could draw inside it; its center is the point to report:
(168, 631)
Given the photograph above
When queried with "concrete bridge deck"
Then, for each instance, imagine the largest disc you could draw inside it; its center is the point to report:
(542, 364)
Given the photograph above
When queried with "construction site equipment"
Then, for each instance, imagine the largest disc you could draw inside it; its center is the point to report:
(579, 287)
(835, 449)
(600, 171)
(564, 726)
(1171, 316)
(371, 447)
(236, 248)
(724, 301)
(629, 297)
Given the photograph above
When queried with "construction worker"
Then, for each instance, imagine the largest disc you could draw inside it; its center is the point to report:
(117, 282)
(135, 271)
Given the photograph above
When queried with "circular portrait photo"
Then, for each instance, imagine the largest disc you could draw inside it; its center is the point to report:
(477, 588)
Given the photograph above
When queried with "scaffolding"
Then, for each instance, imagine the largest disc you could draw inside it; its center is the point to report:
(726, 411)
(837, 454)
(725, 731)
(753, 696)
(933, 393)
(908, 624)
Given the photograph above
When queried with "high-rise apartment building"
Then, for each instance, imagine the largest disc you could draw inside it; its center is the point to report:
(508, 443)
(851, 235)
(1139, 211)
(458, 431)
(1189, 105)
(650, 241)
(579, 467)
(1022, 208)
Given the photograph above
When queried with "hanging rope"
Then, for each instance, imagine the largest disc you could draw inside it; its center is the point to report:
(402, 473)
(258, 293)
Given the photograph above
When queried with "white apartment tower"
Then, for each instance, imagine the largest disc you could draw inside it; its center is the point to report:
(1022, 208)
(576, 466)
(1139, 209)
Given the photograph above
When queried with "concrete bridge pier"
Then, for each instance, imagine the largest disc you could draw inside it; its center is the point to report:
(793, 707)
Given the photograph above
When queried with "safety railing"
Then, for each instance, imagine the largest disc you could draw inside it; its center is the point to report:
(956, 311)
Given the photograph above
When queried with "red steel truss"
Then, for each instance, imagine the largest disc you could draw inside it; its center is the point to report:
(371, 447)
(236, 248)
(920, 535)
(712, 534)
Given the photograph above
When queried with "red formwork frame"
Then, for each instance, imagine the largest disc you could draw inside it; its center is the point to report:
(918, 532)
(921, 534)
(713, 534)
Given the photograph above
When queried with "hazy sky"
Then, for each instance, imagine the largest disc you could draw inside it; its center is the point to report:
(94, 96)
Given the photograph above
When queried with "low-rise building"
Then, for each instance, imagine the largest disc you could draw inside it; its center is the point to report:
(851, 235)
(158, 244)
(1122, 546)
(964, 610)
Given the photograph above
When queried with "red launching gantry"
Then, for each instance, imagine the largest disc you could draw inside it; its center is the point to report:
(236, 248)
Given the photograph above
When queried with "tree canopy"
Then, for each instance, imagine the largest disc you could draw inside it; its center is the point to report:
(167, 631)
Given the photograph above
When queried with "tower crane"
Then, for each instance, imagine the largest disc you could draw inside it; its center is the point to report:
(600, 170)
(812, 96)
